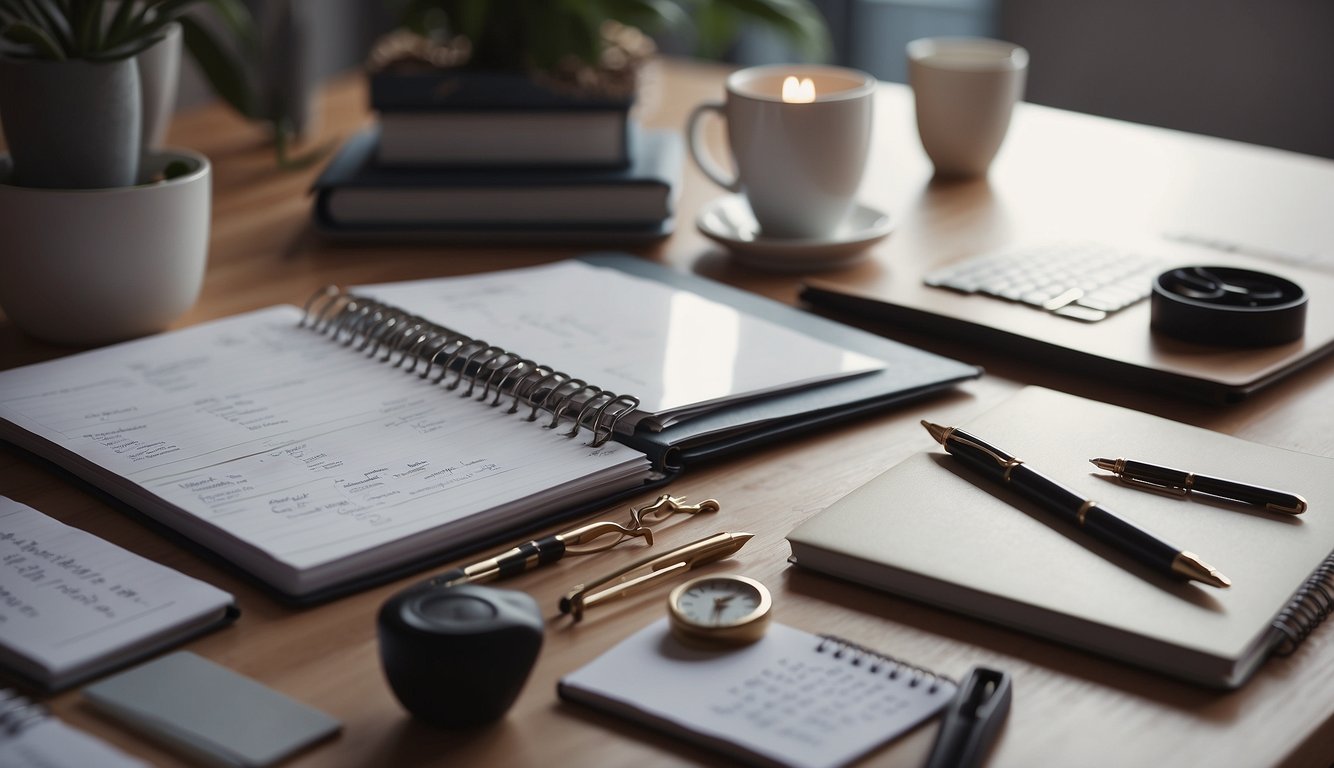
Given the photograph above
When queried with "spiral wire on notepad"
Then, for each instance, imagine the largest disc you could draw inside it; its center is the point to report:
(18, 712)
(876, 662)
(1309, 606)
(381, 330)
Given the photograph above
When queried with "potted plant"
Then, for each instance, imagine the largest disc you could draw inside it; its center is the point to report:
(562, 49)
(70, 94)
(103, 240)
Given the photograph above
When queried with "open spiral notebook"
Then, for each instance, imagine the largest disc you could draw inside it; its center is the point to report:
(326, 449)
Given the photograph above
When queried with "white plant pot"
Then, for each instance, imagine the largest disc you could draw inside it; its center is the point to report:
(92, 266)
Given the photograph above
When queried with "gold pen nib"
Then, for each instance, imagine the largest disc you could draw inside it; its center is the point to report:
(1106, 465)
(726, 547)
(938, 433)
(1190, 565)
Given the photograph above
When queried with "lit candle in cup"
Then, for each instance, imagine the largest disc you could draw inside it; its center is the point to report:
(817, 119)
(798, 91)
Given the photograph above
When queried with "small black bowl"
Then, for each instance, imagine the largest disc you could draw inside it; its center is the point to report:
(1227, 306)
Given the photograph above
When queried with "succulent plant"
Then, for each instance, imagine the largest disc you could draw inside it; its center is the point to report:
(110, 30)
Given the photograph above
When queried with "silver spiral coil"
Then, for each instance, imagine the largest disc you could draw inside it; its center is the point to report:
(877, 663)
(382, 331)
(1310, 606)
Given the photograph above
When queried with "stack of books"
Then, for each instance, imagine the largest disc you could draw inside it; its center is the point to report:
(481, 156)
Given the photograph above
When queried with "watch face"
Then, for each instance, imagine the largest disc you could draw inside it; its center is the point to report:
(725, 608)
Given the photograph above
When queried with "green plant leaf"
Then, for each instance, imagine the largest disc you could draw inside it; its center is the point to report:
(716, 28)
(56, 23)
(799, 20)
(120, 21)
(469, 17)
(238, 21)
(37, 40)
(135, 27)
(175, 169)
(226, 74)
(576, 32)
(518, 33)
(126, 50)
(86, 22)
(647, 14)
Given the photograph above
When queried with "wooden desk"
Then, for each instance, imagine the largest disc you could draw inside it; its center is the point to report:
(1070, 708)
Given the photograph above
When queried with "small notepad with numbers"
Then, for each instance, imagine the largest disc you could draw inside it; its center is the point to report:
(792, 699)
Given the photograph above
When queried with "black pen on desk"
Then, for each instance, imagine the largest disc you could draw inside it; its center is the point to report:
(1085, 513)
(549, 549)
(972, 720)
(532, 554)
(1141, 474)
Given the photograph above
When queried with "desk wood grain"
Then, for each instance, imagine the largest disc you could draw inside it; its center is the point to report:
(1070, 708)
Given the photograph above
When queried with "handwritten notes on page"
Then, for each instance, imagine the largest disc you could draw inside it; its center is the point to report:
(299, 459)
(792, 699)
(72, 604)
(675, 350)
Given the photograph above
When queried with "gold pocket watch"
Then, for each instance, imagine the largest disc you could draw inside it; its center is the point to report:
(720, 610)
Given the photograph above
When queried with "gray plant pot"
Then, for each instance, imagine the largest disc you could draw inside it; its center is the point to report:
(159, 77)
(71, 124)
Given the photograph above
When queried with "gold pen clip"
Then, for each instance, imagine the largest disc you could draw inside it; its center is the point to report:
(1170, 489)
(657, 568)
(641, 520)
(667, 505)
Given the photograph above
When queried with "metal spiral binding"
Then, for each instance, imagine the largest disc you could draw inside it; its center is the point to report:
(1310, 606)
(877, 662)
(17, 712)
(382, 331)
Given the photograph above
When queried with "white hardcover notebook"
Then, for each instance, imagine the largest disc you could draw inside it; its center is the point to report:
(791, 699)
(317, 449)
(923, 529)
(73, 605)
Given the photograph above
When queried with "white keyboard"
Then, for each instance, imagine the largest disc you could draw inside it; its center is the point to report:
(1080, 281)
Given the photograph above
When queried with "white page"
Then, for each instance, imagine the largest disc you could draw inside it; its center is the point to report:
(787, 699)
(299, 447)
(69, 598)
(50, 743)
(674, 350)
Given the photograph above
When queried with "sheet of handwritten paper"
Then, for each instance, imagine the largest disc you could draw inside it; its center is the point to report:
(313, 461)
(70, 601)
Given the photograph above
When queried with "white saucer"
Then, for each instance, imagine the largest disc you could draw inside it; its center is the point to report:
(729, 222)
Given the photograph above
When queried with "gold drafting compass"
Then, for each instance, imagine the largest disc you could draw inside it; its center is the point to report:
(720, 609)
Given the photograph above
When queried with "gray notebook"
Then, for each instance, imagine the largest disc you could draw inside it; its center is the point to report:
(924, 530)
(211, 712)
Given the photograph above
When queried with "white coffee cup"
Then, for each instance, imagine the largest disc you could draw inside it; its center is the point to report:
(799, 164)
(965, 89)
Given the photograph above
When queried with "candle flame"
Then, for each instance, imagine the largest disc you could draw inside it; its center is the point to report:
(798, 91)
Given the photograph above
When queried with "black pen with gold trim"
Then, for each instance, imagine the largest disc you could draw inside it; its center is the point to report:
(1087, 514)
(1179, 482)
